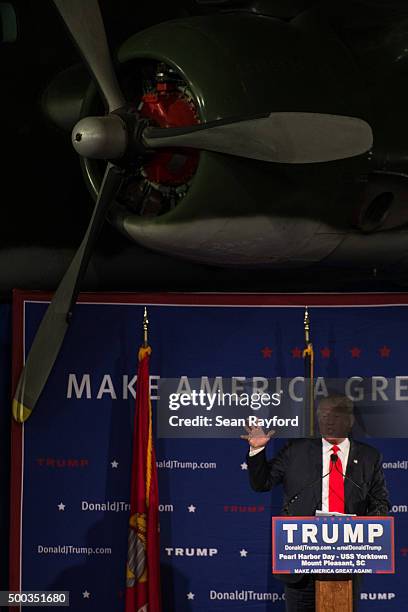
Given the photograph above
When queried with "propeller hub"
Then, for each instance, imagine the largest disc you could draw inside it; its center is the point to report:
(100, 137)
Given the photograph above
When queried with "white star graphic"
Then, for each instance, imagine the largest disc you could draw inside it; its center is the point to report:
(86, 594)
(244, 466)
(243, 552)
(190, 595)
(191, 508)
(61, 506)
(114, 463)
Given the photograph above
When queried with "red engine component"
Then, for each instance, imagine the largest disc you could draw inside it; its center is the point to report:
(168, 106)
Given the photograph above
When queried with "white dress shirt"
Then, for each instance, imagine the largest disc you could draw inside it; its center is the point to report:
(343, 454)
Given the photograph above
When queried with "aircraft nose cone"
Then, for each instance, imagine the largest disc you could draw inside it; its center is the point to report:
(100, 137)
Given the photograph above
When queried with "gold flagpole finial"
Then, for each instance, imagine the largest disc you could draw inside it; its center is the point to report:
(145, 327)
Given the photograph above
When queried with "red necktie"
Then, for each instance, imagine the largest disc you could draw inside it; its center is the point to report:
(336, 484)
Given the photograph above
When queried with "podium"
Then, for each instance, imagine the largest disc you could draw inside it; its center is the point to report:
(334, 595)
(333, 549)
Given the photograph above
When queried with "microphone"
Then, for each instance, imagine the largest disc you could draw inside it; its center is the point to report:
(310, 484)
(334, 458)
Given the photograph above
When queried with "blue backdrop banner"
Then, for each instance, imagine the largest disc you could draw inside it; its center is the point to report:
(71, 459)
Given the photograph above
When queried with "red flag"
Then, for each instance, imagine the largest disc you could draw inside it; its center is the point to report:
(143, 567)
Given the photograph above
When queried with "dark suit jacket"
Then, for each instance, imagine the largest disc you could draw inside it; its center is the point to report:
(299, 463)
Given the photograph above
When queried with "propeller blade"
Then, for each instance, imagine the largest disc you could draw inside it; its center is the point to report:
(290, 138)
(50, 335)
(84, 21)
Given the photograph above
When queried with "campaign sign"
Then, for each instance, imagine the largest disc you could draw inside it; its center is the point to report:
(333, 545)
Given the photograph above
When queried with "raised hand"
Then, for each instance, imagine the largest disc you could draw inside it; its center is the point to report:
(256, 436)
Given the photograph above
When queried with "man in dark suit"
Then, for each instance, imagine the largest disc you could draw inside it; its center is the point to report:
(313, 480)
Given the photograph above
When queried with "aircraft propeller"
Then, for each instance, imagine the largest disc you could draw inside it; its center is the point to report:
(122, 138)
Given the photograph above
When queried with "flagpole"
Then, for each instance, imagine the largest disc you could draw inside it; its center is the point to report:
(145, 327)
(308, 355)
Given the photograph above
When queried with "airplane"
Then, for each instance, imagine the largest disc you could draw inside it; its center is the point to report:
(235, 138)
(229, 211)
